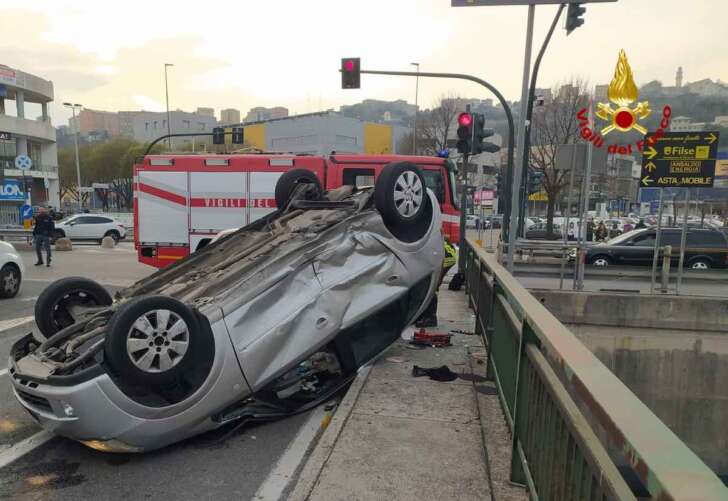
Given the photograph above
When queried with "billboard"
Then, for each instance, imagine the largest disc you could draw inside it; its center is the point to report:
(11, 189)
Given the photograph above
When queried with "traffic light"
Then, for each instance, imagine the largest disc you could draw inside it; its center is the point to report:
(350, 73)
(499, 187)
(573, 17)
(535, 180)
(218, 135)
(238, 135)
(480, 133)
(465, 133)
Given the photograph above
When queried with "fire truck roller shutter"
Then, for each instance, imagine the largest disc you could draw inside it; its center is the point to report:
(218, 201)
(162, 207)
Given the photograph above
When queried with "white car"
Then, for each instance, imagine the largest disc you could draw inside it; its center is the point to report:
(11, 271)
(89, 227)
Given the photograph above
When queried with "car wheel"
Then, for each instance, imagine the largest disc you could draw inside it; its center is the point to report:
(400, 196)
(113, 234)
(288, 181)
(57, 306)
(700, 264)
(9, 281)
(154, 340)
(601, 261)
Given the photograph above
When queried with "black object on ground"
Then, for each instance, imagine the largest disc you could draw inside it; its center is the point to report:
(442, 373)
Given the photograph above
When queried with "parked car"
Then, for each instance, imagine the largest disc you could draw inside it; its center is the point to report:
(268, 321)
(90, 227)
(704, 248)
(538, 232)
(472, 221)
(11, 271)
(494, 222)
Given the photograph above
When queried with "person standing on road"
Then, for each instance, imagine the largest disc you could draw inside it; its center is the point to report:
(590, 230)
(42, 233)
(429, 316)
(601, 232)
(641, 224)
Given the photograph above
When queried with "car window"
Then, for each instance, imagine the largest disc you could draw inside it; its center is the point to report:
(671, 238)
(98, 220)
(82, 220)
(358, 177)
(646, 240)
(434, 181)
(706, 239)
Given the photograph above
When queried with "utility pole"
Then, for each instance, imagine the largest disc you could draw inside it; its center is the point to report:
(417, 91)
(75, 143)
(166, 92)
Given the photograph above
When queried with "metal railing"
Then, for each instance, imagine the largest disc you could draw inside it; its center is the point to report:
(549, 382)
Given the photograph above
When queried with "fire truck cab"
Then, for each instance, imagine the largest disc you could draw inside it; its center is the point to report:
(181, 201)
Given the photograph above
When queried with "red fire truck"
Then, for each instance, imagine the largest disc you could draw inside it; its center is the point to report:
(181, 201)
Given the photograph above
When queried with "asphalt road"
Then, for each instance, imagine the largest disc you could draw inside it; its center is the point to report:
(204, 467)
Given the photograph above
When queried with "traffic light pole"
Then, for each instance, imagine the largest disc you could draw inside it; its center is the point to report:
(511, 139)
(522, 124)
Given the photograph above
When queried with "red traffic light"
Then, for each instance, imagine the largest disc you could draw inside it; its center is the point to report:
(349, 64)
(465, 119)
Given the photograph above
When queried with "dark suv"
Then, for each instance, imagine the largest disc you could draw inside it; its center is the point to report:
(704, 248)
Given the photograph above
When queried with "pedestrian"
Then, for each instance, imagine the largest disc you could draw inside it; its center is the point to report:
(627, 227)
(640, 224)
(590, 230)
(601, 233)
(42, 233)
(614, 231)
(429, 316)
(572, 231)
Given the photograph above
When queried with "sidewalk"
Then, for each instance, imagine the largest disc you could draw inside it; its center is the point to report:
(399, 437)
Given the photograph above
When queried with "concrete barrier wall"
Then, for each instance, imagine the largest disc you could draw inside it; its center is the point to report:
(681, 373)
(635, 310)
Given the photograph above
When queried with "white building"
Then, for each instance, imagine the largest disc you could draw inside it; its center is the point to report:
(146, 126)
(23, 96)
(685, 124)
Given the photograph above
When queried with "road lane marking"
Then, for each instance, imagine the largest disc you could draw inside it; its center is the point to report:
(3, 372)
(9, 324)
(281, 475)
(16, 451)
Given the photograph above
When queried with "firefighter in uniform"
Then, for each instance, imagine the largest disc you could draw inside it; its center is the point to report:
(429, 316)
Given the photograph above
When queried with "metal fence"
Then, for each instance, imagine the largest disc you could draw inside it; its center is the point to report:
(9, 215)
(549, 382)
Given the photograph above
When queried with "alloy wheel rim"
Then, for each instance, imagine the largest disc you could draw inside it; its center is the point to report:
(10, 282)
(408, 194)
(157, 341)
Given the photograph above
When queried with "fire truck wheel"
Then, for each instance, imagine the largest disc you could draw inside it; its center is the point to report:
(288, 181)
(60, 302)
(154, 340)
(400, 196)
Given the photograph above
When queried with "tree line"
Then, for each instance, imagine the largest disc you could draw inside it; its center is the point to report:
(109, 162)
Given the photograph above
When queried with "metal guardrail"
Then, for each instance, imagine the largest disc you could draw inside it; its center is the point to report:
(547, 379)
(15, 234)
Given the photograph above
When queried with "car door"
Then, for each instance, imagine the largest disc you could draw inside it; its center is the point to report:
(637, 250)
(77, 228)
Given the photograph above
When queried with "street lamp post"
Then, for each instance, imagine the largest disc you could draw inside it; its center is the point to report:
(74, 107)
(166, 92)
(417, 90)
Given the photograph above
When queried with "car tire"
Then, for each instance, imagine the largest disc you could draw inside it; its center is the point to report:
(143, 352)
(9, 281)
(288, 181)
(113, 234)
(600, 261)
(400, 196)
(700, 264)
(52, 309)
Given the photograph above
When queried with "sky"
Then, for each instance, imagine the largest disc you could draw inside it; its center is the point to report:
(245, 53)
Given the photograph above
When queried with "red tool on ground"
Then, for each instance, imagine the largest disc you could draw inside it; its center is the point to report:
(436, 339)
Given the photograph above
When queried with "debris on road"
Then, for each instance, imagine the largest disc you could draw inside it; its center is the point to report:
(442, 373)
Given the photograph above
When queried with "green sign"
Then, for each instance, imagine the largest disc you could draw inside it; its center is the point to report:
(679, 160)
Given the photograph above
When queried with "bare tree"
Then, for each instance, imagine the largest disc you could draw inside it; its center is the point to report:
(555, 124)
(436, 124)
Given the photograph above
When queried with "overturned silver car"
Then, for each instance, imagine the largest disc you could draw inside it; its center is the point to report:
(268, 321)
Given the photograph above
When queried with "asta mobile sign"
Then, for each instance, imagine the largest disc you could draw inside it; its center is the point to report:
(679, 160)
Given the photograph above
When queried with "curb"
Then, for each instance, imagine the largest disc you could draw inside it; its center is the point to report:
(321, 452)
